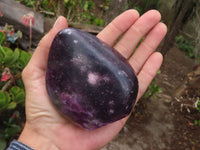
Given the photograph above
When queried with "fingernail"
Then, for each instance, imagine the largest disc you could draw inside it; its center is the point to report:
(57, 21)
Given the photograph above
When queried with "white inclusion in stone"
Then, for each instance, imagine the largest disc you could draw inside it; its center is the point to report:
(93, 78)
(111, 102)
(122, 73)
(106, 79)
(75, 41)
(111, 111)
(69, 32)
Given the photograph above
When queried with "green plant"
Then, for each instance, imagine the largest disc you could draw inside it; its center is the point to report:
(153, 89)
(144, 5)
(82, 11)
(186, 46)
(12, 64)
(12, 92)
(96, 21)
(30, 3)
(2, 38)
(197, 122)
(15, 60)
(47, 7)
(9, 100)
(7, 34)
(198, 104)
(105, 5)
(10, 129)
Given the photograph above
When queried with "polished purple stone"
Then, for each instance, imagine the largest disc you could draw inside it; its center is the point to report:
(88, 81)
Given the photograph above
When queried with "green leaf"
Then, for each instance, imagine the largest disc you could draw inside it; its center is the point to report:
(159, 72)
(7, 97)
(18, 94)
(66, 1)
(3, 144)
(20, 97)
(99, 22)
(1, 133)
(196, 122)
(85, 7)
(2, 38)
(8, 56)
(13, 91)
(20, 83)
(12, 105)
(2, 99)
(15, 55)
(23, 59)
(2, 51)
(11, 131)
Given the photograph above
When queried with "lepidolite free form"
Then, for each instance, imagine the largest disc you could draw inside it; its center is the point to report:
(88, 81)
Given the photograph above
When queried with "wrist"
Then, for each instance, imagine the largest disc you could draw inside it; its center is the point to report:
(35, 140)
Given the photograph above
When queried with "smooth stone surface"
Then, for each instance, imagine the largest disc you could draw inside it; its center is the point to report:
(88, 81)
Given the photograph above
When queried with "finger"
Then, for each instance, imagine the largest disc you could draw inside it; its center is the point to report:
(140, 28)
(40, 56)
(118, 26)
(148, 72)
(148, 46)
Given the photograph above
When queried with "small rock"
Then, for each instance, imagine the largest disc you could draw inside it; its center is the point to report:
(89, 81)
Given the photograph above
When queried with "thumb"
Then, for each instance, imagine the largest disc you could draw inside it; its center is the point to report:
(37, 64)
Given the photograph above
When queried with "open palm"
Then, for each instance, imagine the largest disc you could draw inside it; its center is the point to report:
(45, 128)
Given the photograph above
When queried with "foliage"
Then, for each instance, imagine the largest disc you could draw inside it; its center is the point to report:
(15, 61)
(186, 46)
(12, 92)
(152, 90)
(81, 11)
(2, 37)
(8, 34)
(197, 122)
(144, 5)
(10, 129)
(198, 105)
(76, 10)
(42, 6)
(10, 100)
(105, 5)
(48, 5)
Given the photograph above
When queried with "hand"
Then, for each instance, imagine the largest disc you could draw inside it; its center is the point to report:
(44, 127)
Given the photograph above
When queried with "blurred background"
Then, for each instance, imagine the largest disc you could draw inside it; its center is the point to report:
(168, 115)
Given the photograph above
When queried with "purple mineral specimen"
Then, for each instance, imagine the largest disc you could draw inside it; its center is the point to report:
(88, 81)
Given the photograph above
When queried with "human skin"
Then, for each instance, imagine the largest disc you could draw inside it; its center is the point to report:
(45, 128)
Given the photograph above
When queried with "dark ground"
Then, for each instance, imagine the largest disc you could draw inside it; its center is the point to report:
(162, 123)
(186, 135)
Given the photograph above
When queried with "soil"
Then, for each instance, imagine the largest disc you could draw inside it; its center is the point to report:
(163, 123)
